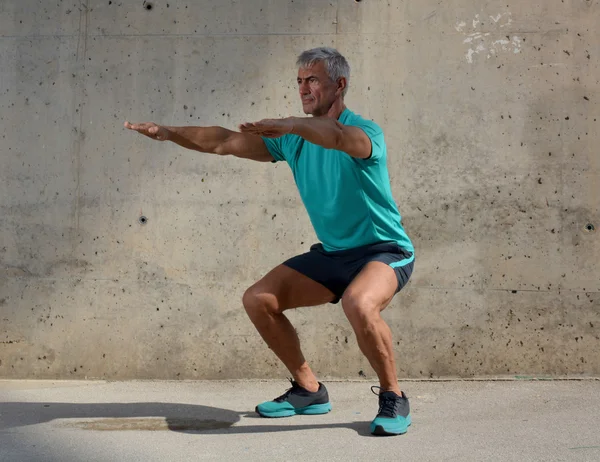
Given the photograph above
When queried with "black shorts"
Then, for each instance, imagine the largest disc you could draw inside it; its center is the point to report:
(336, 270)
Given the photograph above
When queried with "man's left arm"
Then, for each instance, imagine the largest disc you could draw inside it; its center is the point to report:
(322, 131)
(332, 134)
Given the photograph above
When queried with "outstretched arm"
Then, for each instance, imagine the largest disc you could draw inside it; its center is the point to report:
(214, 140)
(324, 131)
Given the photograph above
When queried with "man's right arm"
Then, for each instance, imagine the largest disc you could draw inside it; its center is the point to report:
(214, 140)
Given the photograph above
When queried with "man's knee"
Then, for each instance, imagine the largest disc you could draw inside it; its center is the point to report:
(360, 307)
(258, 302)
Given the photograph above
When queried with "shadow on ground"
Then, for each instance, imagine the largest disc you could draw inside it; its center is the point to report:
(185, 418)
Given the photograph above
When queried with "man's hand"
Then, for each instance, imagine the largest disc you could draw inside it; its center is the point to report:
(150, 129)
(269, 128)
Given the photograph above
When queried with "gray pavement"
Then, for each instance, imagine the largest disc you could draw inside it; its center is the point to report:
(180, 421)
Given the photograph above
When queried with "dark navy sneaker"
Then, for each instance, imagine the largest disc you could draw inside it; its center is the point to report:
(295, 401)
(393, 417)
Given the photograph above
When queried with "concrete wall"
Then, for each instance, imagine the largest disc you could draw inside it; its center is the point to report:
(492, 117)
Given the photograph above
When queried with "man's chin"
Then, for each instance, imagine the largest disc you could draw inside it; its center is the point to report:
(307, 108)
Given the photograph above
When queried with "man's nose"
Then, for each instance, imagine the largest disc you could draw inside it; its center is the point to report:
(304, 88)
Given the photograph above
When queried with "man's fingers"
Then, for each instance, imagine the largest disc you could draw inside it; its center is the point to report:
(254, 132)
(136, 127)
(255, 127)
(259, 124)
(129, 126)
(146, 128)
(248, 126)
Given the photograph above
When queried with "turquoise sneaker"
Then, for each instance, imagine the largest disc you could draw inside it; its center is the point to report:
(393, 417)
(296, 401)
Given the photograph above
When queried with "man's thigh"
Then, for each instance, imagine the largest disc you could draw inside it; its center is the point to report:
(329, 269)
(382, 275)
(338, 270)
(373, 289)
(291, 289)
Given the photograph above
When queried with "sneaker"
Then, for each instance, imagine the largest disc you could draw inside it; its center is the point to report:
(393, 417)
(296, 401)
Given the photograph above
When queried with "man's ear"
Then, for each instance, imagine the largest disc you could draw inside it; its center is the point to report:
(342, 83)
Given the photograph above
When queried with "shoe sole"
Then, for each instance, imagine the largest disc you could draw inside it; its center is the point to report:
(314, 409)
(380, 431)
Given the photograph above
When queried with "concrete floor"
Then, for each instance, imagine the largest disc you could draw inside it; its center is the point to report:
(179, 421)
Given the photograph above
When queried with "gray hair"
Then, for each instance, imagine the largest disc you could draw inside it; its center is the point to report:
(335, 64)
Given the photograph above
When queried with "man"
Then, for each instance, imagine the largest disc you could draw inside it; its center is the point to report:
(338, 160)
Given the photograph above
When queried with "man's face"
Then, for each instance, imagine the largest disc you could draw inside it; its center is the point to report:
(317, 90)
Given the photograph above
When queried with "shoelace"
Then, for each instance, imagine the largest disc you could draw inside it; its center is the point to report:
(287, 393)
(388, 405)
